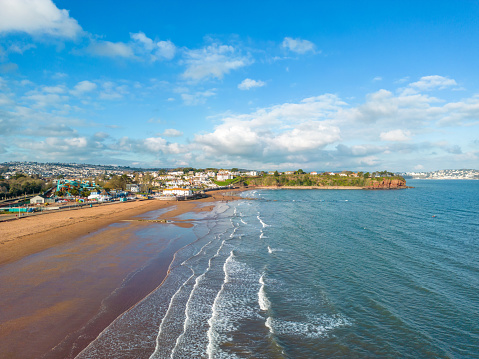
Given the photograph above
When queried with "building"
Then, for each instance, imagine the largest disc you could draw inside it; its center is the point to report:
(37, 200)
(224, 176)
(133, 187)
(177, 192)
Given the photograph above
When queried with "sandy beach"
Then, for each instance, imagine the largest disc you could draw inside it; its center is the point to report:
(65, 276)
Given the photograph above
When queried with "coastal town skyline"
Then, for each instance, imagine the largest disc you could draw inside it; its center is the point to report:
(279, 88)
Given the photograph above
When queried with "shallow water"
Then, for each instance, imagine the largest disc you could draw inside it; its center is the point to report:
(318, 274)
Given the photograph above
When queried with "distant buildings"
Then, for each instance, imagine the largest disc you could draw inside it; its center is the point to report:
(177, 192)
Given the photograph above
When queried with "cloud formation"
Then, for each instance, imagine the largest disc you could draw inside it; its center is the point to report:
(39, 17)
(395, 135)
(158, 50)
(212, 62)
(248, 84)
(83, 87)
(298, 45)
(110, 49)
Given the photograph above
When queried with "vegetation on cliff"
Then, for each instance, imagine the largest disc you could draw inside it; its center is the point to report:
(325, 180)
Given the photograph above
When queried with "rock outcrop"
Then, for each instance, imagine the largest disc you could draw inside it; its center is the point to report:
(387, 184)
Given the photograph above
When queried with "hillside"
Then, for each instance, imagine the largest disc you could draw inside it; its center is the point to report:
(306, 180)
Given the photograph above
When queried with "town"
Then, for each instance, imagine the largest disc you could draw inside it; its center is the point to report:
(463, 174)
(66, 182)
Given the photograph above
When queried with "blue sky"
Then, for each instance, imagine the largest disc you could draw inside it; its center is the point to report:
(254, 84)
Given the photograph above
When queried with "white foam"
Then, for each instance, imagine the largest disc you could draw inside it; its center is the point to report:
(316, 328)
(270, 250)
(243, 221)
(261, 221)
(212, 336)
(263, 301)
(269, 324)
(170, 307)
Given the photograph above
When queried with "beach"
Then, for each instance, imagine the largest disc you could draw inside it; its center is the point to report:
(66, 276)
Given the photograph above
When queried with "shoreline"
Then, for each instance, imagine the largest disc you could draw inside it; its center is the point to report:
(309, 187)
(64, 323)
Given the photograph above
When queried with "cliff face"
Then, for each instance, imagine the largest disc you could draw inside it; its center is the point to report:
(387, 184)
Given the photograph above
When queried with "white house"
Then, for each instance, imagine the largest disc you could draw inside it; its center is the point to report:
(37, 200)
(224, 176)
(100, 197)
(178, 192)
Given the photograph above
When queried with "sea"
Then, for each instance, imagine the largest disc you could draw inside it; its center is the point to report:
(317, 274)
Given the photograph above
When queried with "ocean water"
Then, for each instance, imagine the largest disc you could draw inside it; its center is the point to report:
(318, 274)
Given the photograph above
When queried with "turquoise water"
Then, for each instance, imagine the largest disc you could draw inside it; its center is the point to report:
(318, 274)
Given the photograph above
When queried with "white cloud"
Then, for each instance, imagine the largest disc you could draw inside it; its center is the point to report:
(110, 49)
(307, 136)
(427, 83)
(6, 100)
(112, 91)
(19, 48)
(39, 17)
(213, 61)
(275, 132)
(158, 144)
(171, 132)
(298, 45)
(157, 50)
(144, 40)
(166, 49)
(54, 89)
(83, 87)
(395, 135)
(45, 99)
(197, 98)
(377, 78)
(248, 84)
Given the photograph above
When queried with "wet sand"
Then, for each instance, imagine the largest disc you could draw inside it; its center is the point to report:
(65, 276)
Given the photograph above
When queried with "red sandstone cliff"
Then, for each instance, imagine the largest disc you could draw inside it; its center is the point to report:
(387, 184)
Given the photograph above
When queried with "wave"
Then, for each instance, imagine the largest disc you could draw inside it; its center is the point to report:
(317, 327)
(212, 336)
(261, 221)
(263, 301)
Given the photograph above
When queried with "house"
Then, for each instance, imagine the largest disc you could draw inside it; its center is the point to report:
(100, 197)
(224, 176)
(132, 187)
(313, 173)
(177, 192)
(37, 200)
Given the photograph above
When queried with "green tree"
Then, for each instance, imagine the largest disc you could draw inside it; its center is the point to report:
(276, 174)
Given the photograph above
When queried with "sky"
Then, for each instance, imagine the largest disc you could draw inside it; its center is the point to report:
(266, 85)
